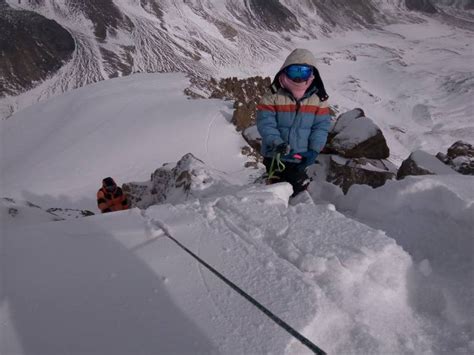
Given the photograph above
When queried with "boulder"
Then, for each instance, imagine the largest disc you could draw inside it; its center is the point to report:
(357, 136)
(347, 172)
(174, 183)
(422, 163)
(460, 157)
(253, 138)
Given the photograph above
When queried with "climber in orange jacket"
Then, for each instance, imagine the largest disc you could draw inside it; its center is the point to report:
(111, 198)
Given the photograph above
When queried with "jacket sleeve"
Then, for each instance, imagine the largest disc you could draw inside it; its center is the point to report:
(124, 201)
(266, 122)
(102, 201)
(320, 128)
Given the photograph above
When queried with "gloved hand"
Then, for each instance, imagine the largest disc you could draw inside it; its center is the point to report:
(309, 158)
(282, 149)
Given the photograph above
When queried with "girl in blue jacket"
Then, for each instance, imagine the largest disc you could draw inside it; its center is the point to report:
(293, 119)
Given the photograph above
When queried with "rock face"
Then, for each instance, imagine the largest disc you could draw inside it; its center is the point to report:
(31, 48)
(173, 183)
(274, 16)
(460, 157)
(421, 5)
(347, 172)
(356, 136)
(422, 163)
(246, 94)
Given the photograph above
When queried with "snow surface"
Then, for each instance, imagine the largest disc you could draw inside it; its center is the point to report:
(384, 271)
(125, 129)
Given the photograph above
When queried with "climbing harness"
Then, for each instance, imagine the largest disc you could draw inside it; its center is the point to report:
(305, 341)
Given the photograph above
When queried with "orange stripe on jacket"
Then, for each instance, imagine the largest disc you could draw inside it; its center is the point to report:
(291, 108)
(266, 108)
(323, 111)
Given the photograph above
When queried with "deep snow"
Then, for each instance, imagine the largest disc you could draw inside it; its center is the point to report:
(379, 271)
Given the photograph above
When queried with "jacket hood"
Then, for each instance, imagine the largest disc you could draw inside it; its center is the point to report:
(303, 56)
(299, 56)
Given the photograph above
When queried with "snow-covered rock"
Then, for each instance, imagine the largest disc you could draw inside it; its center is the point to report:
(173, 183)
(357, 136)
(422, 163)
(347, 172)
(460, 157)
(16, 213)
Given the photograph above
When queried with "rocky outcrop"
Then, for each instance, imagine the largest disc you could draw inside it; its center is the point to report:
(31, 48)
(246, 94)
(357, 136)
(173, 183)
(253, 138)
(422, 163)
(460, 157)
(358, 152)
(347, 172)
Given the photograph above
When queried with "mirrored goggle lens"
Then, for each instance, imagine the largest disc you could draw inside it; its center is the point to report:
(110, 188)
(302, 72)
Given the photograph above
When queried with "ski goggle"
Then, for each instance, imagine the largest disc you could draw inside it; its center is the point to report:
(299, 71)
(110, 188)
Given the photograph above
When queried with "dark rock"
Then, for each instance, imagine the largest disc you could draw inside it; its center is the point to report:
(273, 15)
(253, 138)
(409, 168)
(461, 149)
(246, 93)
(356, 136)
(422, 163)
(67, 213)
(26, 212)
(31, 48)
(460, 157)
(421, 6)
(347, 172)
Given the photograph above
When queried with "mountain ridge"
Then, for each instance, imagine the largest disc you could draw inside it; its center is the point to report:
(201, 38)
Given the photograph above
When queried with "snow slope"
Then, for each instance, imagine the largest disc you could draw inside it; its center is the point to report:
(394, 281)
(125, 129)
(114, 284)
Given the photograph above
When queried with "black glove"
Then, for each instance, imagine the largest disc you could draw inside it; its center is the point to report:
(282, 149)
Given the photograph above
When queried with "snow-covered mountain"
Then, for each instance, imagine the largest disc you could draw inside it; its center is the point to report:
(220, 38)
(377, 271)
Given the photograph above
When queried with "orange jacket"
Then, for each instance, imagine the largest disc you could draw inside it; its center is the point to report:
(112, 201)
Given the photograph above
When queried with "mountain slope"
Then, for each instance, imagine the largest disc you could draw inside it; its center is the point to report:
(116, 38)
(103, 130)
(115, 284)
